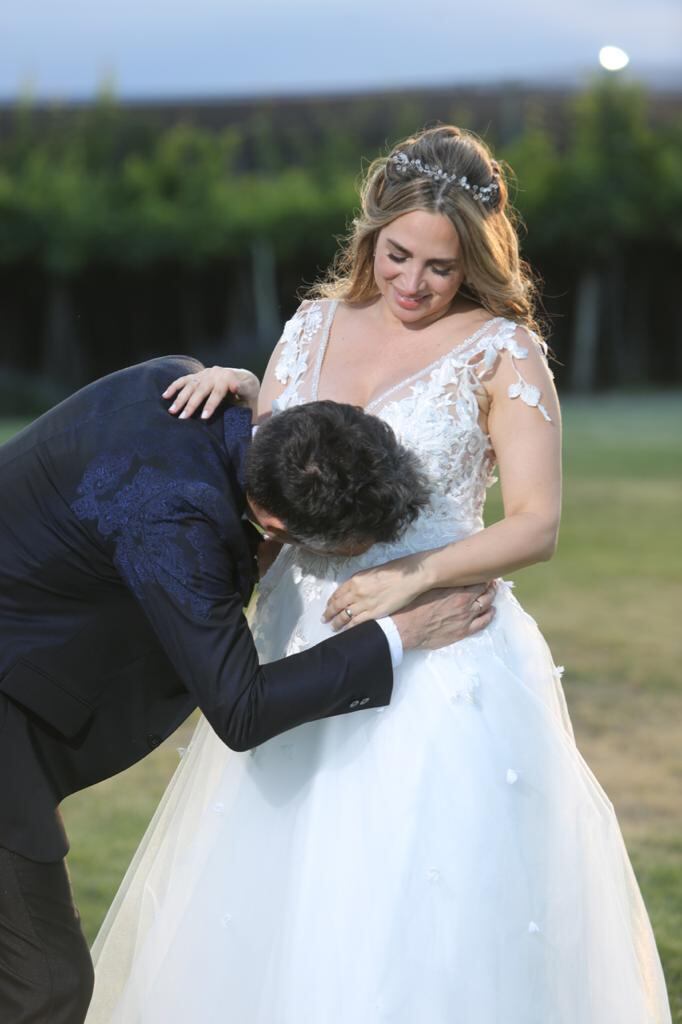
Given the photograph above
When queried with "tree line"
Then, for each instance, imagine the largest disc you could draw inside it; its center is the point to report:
(121, 239)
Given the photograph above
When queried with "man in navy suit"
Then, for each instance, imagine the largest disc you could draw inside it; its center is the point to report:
(126, 558)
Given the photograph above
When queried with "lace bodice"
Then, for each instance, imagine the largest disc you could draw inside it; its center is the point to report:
(435, 412)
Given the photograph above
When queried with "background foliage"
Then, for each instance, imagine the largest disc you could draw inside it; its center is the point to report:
(126, 234)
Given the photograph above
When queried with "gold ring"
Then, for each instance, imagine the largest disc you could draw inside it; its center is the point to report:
(349, 613)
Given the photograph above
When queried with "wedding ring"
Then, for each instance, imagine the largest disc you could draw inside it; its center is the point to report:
(478, 606)
(349, 613)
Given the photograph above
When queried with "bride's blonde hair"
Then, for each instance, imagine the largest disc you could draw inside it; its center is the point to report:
(450, 171)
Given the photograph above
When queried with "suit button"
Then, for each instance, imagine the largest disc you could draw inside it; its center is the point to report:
(365, 700)
(153, 740)
(354, 704)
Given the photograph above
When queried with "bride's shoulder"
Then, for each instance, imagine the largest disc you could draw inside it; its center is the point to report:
(313, 307)
(308, 318)
(512, 362)
(290, 356)
(501, 334)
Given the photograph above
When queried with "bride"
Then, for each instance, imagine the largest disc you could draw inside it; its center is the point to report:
(451, 859)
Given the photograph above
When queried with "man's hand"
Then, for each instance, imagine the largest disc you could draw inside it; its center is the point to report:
(442, 617)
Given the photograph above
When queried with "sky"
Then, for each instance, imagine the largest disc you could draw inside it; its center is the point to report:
(66, 49)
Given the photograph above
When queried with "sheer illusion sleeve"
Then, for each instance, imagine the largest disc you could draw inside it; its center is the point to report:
(516, 344)
(288, 378)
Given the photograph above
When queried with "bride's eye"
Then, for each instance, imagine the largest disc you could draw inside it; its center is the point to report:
(442, 273)
(396, 259)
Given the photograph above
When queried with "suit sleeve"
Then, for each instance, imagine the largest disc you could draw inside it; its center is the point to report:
(180, 567)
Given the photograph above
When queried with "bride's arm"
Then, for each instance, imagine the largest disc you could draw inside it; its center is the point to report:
(528, 452)
(271, 388)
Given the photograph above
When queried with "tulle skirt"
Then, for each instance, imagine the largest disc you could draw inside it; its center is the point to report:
(450, 858)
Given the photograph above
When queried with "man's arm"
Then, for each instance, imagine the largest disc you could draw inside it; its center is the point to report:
(181, 571)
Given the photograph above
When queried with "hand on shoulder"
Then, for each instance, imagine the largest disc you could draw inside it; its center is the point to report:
(210, 387)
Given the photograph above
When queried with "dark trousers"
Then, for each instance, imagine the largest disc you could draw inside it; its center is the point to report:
(46, 974)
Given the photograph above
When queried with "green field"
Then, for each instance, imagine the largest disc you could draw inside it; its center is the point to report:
(609, 604)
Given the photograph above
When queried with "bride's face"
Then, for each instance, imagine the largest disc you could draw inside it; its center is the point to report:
(417, 266)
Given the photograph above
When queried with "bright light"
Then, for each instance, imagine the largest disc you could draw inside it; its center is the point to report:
(613, 58)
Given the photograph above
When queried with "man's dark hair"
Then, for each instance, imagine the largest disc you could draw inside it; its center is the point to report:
(331, 472)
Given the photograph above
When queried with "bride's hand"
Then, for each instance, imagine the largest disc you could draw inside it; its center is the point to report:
(210, 387)
(373, 593)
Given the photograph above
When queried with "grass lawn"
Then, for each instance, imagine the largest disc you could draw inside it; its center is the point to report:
(609, 604)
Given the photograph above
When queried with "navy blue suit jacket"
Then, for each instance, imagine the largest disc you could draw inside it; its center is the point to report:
(125, 563)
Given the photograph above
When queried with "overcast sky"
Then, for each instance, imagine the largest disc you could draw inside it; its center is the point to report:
(156, 48)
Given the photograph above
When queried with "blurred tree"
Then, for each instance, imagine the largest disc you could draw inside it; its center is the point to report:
(602, 203)
(167, 222)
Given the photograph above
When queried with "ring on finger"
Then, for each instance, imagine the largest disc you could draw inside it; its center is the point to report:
(478, 606)
(348, 613)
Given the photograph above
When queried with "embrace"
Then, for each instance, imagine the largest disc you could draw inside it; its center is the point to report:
(382, 815)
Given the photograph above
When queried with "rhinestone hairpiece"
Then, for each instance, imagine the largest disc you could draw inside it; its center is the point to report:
(486, 194)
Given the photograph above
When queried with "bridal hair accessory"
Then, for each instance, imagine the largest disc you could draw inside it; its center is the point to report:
(486, 194)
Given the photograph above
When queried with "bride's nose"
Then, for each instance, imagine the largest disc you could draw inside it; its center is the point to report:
(413, 280)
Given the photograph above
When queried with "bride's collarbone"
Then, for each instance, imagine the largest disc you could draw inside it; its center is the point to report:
(359, 339)
(359, 366)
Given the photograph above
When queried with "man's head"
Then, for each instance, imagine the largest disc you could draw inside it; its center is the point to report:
(333, 478)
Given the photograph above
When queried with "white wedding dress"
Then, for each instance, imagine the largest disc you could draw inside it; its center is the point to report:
(449, 859)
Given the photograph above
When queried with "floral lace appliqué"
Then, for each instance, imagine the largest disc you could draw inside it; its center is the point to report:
(505, 340)
(115, 493)
(292, 364)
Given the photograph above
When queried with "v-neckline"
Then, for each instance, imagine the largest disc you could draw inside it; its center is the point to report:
(406, 381)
